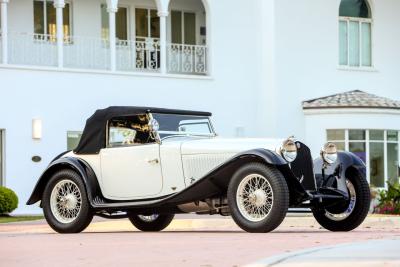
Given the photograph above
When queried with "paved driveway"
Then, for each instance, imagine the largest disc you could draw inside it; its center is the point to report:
(188, 241)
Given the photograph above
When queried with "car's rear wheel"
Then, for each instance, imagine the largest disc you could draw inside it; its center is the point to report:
(258, 198)
(350, 214)
(65, 204)
(151, 223)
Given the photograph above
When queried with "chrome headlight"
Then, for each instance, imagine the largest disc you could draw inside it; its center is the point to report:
(329, 153)
(289, 149)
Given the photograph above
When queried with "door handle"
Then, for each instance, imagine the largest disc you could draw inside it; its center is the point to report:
(153, 161)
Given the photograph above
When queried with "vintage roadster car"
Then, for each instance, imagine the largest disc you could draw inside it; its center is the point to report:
(148, 164)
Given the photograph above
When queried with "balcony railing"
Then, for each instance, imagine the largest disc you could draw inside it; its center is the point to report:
(138, 56)
(187, 59)
(86, 53)
(142, 55)
(32, 49)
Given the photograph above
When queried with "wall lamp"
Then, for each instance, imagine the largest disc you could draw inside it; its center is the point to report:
(37, 129)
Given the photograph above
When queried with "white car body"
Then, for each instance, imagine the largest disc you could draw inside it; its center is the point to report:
(155, 170)
(148, 164)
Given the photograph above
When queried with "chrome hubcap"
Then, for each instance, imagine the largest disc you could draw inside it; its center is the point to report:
(254, 197)
(148, 218)
(350, 208)
(65, 201)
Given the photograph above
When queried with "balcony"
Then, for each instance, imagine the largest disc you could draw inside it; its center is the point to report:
(164, 39)
(93, 54)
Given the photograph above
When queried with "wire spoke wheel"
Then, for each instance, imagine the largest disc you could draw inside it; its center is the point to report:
(254, 197)
(66, 201)
(352, 203)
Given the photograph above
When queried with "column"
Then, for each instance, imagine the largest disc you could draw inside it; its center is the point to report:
(163, 41)
(59, 6)
(4, 31)
(112, 8)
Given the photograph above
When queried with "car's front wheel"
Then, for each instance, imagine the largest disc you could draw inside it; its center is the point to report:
(151, 223)
(350, 214)
(258, 198)
(65, 203)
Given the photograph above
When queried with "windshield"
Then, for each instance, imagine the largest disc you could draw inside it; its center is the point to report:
(172, 124)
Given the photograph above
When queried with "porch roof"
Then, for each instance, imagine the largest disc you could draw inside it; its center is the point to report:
(352, 99)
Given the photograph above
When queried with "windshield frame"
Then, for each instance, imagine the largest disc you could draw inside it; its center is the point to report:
(185, 134)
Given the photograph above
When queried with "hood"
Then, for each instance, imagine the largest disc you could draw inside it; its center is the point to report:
(227, 145)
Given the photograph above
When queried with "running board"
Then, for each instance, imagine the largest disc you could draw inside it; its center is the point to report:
(100, 203)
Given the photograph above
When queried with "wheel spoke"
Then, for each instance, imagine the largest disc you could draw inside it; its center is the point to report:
(254, 197)
(66, 201)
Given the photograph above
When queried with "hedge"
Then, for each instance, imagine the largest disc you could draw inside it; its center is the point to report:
(8, 200)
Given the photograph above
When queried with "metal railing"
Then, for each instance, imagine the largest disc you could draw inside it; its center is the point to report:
(32, 49)
(94, 53)
(138, 56)
(190, 59)
(86, 53)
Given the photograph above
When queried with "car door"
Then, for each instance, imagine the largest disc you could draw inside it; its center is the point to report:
(130, 170)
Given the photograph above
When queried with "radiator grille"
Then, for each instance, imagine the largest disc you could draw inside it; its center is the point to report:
(196, 166)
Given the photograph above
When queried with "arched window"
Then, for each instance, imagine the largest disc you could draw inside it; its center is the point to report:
(355, 33)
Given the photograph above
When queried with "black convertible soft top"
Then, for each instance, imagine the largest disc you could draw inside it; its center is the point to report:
(94, 135)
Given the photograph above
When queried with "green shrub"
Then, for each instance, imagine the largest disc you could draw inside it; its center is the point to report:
(8, 200)
(389, 200)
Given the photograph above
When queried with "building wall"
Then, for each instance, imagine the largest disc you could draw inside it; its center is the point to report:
(306, 58)
(63, 100)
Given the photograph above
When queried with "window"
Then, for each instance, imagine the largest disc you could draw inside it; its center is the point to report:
(147, 24)
(73, 138)
(1, 158)
(121, 136)
(183, 27)
(128, 131)
(355, 25)
(44, 18)
(379, 149)
(121, 23)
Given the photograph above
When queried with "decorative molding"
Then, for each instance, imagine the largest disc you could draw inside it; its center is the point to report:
(59, 3)
(112, 6)
(163, 13)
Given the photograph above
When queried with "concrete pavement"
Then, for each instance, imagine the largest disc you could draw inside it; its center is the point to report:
(188, 241)
(365, 254)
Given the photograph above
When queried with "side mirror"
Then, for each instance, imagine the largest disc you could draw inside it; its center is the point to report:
(153, 125)
(329, 153)
(153, 129)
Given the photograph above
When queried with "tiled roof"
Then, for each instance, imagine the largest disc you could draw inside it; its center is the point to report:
(351, 99)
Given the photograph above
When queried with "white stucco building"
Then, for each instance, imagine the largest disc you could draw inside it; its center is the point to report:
(251, 63)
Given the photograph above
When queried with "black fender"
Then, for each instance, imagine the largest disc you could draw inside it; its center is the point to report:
(215, 183)
(59, 163)
(336, 173)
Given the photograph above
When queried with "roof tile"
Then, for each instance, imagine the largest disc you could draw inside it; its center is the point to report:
(351, 99)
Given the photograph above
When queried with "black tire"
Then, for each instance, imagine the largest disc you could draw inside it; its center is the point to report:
(280, 198)
(85, 214)
(158, 224)
(357, 216)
